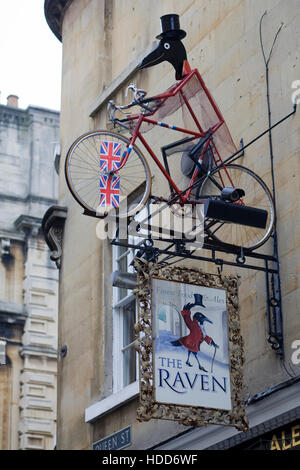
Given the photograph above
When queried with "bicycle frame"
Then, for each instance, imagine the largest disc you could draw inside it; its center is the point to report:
(143, 118)
(201, 145)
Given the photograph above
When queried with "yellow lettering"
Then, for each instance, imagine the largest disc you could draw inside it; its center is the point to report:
(295, 434)
(284, 446)
(275, 444)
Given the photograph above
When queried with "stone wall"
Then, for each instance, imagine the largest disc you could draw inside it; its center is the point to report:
(28, 280)
(223, 43)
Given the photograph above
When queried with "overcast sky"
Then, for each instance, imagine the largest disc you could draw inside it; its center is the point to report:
(30, 55)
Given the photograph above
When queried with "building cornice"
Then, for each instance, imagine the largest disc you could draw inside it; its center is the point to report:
(29, 350)
(10, 116)
(12, 313)
(28, 224)
(15, 236)
(53, 227)
(119, 82)
(28, 199)
(54, 11)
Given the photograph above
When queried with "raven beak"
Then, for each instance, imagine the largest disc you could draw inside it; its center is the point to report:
(209, 321)
(155, 57)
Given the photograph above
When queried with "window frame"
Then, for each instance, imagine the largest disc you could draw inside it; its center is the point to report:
(118, 307)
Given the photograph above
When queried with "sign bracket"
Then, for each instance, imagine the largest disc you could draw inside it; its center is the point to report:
(169, 251)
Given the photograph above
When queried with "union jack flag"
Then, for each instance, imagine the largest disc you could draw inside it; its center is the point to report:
(109, 190)
(110, 157)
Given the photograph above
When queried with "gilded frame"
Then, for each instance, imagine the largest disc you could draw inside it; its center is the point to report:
(190, 416)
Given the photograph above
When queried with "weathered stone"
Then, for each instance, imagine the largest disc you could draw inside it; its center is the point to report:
(28, 279)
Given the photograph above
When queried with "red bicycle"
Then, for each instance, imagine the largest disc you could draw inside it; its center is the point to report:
(104, 168)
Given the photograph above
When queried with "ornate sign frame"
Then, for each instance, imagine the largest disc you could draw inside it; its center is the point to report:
(187, 415)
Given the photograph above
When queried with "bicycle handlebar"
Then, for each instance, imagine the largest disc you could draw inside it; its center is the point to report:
(138, 93)
(112, 107)
(138, 100)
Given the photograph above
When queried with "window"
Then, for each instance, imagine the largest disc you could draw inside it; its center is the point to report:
(2, 352)
(125, 357)
(124, 318)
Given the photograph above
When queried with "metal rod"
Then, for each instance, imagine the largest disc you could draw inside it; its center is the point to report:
(274, 303)
(236, 154)
(242, 149)
(217, 261)
(191, 111)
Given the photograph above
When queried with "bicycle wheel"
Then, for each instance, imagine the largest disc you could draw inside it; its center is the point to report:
(257, 195)
(95, 180)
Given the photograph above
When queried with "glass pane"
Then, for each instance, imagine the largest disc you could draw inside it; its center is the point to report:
(123, 267)
(129, 355)
(123, 261)
(128, 323)
(122, 292)
(129, 366)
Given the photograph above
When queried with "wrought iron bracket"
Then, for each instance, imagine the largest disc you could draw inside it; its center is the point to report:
(170, 251)
(274, 310)
(175, 251)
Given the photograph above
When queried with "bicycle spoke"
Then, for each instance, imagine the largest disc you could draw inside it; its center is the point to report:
(83, 172)
(256, 195)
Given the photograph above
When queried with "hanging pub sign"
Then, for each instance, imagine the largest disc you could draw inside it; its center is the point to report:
(191, 349)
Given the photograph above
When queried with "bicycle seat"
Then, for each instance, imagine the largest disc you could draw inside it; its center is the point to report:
(190, 158)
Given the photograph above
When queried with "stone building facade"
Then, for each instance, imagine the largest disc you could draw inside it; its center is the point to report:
(96, 395)
(28, 279)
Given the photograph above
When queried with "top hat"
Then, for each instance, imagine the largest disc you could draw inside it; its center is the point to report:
(198, 300)
(171, 28)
